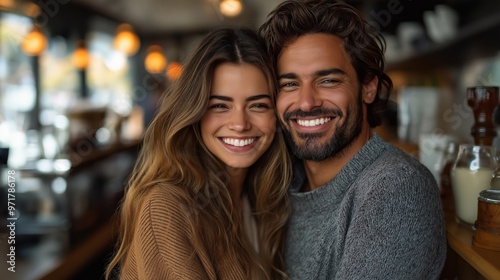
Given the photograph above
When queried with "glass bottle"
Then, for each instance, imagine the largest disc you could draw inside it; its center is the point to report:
(471, 173)
(495, 180)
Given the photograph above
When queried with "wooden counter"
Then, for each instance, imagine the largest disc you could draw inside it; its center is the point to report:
(485, 262)
(464, 260)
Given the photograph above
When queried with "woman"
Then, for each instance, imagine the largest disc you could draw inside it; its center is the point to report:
(207, 198)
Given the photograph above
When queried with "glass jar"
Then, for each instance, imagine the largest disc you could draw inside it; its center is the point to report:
(495, 180)
(471, 173)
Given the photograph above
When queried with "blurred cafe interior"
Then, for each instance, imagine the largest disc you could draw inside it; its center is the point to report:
(80, 81)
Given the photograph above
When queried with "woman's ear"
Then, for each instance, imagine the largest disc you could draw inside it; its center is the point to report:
(369, 90)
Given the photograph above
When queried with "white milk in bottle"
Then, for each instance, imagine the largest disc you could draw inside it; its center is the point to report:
(467, 184)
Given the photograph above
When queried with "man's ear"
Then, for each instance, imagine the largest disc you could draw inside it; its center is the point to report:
(369, 90)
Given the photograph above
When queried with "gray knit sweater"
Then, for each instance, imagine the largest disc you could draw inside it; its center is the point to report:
(379, 218)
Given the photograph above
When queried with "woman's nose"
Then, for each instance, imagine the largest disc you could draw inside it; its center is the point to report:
(239, 121)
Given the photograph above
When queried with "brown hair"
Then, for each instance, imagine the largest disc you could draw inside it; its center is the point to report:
(174, 155)
(362, 42)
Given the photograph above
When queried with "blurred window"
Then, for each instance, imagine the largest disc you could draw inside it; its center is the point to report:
(60, 83)
(17, 81)
(108, 75)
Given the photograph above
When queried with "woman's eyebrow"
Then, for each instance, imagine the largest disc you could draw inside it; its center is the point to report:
(251, 98)
(221, 97)
(257, 97)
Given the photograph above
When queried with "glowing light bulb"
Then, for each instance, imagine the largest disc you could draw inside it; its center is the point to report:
(155, 61)
(174, 71)
(126, 41)
(230, 8)
(35, 42)
(81, 56)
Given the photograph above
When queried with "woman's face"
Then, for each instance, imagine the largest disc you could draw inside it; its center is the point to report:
(239, 124)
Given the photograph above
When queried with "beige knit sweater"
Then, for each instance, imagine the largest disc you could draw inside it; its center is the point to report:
(163, 247)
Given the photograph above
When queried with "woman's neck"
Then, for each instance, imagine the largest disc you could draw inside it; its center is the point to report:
(237, 178)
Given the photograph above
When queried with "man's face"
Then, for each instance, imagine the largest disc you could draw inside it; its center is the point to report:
(320, 101)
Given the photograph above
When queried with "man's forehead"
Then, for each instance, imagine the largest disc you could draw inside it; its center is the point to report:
(310, 53)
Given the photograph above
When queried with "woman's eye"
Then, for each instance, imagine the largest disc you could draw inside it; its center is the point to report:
(217, 106)
(260, 106)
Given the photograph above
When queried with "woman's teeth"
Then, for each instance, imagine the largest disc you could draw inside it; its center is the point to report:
(238, 142)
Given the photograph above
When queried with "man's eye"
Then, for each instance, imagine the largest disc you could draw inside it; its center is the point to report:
(329, 81)
(288, 84)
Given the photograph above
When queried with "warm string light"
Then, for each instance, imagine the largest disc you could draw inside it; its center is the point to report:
(155, 61)
(230, 8)
(126, 41)
(35, 42)
(81, 56)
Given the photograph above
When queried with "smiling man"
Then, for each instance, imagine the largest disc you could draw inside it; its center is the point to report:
(361, 208)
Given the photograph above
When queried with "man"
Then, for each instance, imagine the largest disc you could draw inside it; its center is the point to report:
(361, 208)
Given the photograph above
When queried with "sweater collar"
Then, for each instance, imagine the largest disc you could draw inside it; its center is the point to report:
(339, 184)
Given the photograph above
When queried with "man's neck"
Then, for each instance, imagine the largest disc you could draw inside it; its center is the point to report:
(320, 173)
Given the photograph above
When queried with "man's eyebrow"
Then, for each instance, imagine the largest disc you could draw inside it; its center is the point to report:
(287, 76)
(326, 72)
(251, 98)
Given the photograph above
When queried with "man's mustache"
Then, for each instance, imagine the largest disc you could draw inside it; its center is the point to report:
(313, 113)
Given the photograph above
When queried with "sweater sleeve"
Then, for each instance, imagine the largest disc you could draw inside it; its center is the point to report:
(397, 231)
(163, 247)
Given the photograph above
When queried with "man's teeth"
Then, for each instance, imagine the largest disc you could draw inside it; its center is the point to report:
(313, 122)
(238, 142)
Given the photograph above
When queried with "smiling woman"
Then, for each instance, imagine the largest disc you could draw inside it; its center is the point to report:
(208, 196)
(239, 125)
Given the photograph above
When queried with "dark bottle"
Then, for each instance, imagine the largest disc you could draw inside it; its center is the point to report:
(483, 101)
(450, 154)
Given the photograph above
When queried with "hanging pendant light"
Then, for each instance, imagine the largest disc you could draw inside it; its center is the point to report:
(35, 42)
(174, 70)
(155, 61)
(230, 8)
(126, 41)
(81, 56)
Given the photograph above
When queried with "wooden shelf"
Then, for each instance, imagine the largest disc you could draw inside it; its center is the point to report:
(486, 262)
(476, 40)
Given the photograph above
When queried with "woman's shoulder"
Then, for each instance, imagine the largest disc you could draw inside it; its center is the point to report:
(166, 202)
(163, 190)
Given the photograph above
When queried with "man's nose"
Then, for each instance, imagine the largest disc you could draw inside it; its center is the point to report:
(308, 98)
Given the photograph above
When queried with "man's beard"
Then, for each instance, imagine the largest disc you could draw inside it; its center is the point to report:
(342, 137)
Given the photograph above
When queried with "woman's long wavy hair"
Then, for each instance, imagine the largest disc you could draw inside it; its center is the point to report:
(362, 42)
(173, 155)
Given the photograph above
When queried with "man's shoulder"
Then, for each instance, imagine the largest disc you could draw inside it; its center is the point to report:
(395, 165)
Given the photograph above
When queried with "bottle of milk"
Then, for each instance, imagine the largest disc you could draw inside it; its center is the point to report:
(471, 173)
